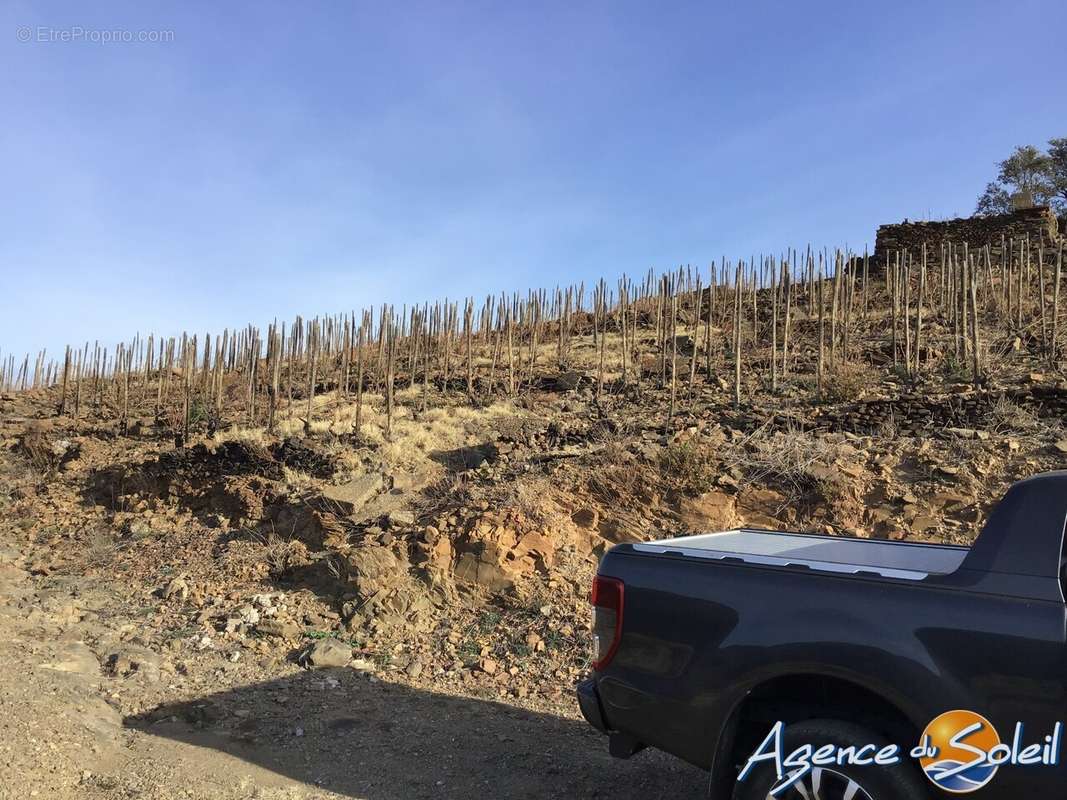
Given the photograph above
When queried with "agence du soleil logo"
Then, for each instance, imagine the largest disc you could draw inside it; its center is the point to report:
(961, 751)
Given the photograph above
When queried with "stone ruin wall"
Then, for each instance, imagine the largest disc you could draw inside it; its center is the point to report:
(1040, 224)
(922, 414)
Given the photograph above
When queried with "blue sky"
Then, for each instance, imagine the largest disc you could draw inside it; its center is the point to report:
(277, 158)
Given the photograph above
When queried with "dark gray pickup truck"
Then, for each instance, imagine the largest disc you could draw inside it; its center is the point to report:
(828, 668)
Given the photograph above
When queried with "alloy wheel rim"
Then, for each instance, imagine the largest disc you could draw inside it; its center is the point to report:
(824, 784)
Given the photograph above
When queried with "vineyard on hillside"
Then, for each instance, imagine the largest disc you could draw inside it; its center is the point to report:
(810, 323)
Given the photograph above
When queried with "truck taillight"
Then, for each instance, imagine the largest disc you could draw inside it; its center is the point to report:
(607, 619)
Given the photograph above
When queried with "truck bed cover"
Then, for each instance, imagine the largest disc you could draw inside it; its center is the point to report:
(904, 560)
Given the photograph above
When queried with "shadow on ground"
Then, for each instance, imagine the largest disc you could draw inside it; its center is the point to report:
(339, 731)
(462, 459)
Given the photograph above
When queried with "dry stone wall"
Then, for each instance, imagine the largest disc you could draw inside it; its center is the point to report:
(917, 414)
(1039, 224)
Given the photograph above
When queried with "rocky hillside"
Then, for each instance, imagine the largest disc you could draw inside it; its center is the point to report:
(445, 551)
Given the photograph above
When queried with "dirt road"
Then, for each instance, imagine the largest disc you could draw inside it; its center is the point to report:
(84, 713)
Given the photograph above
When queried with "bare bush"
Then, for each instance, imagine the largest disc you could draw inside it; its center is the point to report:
(467, 489)
(888, 428)
(101, 546)
(793, 460)
(282, 554)
(847, 382)
(1007, 417)
(36, 449)
(619, 476)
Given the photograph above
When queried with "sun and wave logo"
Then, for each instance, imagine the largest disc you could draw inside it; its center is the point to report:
(958, 745)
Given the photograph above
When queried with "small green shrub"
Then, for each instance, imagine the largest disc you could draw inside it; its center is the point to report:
(954, 369)
(689, 467)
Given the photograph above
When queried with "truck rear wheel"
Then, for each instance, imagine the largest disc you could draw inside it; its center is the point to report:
(837, 782)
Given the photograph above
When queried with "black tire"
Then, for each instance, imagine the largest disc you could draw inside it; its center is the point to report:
(899, 782)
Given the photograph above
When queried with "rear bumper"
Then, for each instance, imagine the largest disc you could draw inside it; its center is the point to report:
(589, 703)
(620, 745)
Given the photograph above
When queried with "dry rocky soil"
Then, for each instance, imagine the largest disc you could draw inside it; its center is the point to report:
(321, 613)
